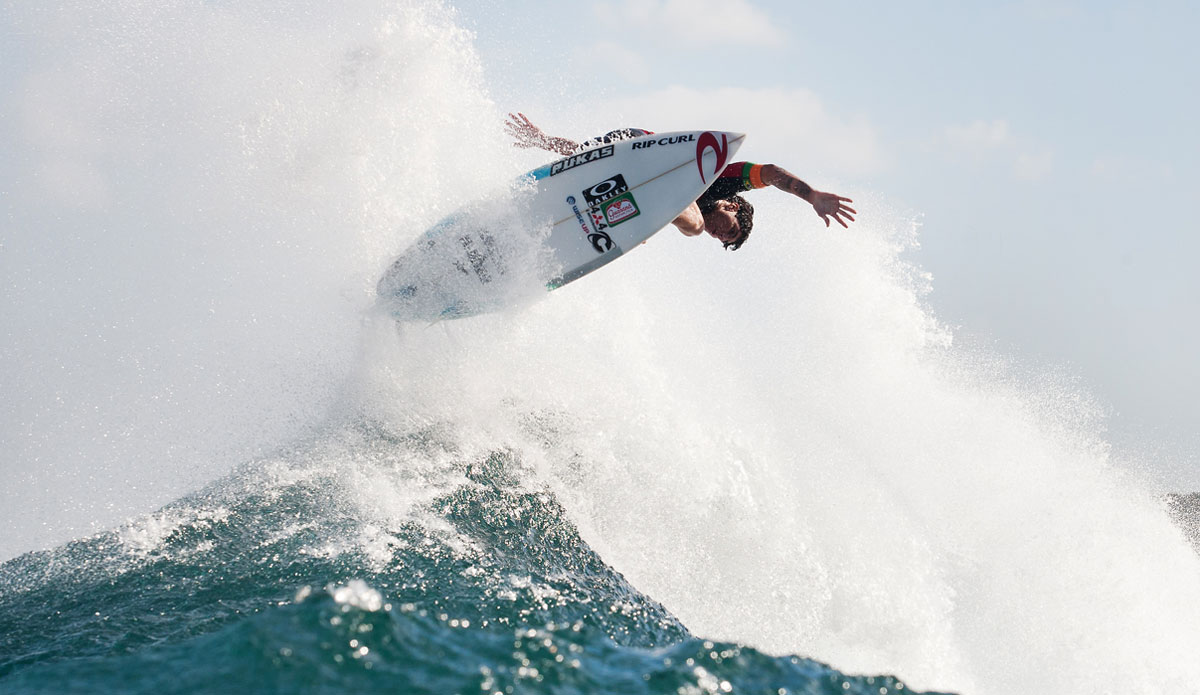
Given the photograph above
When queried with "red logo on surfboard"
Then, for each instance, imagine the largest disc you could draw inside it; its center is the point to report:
(620, 209)
(708, 141)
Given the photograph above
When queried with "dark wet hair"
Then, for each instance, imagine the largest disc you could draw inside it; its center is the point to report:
(745, 218)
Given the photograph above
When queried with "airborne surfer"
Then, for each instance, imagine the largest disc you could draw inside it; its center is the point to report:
(720, 211)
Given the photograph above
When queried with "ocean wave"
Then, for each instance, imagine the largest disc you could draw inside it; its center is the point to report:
(274, 579)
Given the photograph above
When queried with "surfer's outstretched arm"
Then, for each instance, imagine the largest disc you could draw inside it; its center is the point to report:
(528, 135)
(826, 204)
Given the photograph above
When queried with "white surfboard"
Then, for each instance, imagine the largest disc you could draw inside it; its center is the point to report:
(564, 220)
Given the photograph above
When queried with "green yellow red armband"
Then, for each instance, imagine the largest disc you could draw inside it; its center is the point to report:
(749, 173)
(753, 175)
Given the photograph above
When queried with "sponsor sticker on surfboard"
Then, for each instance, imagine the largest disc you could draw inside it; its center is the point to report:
(610, 202)
(608, 188)
(620, 209)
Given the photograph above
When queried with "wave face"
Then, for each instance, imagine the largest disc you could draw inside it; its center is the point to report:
(694, 472)
(298, 574)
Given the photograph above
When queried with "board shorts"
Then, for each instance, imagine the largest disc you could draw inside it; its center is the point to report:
(611, 137)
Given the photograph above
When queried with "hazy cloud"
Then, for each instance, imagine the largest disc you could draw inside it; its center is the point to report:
(1120, 169)
(993, 141)
(790, 127)
(1033, 166)
(980, 135)
(692, 22)
(618, 59)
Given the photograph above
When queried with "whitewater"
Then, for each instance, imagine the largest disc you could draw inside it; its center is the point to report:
(693, 471)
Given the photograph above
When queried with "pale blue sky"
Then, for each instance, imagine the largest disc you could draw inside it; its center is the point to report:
(1050, 148)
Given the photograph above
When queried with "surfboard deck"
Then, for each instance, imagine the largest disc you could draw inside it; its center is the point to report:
(560, 222)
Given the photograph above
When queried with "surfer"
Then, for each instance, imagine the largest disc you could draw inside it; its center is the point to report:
(720, 211)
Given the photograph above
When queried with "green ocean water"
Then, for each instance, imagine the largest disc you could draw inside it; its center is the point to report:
(270, 581)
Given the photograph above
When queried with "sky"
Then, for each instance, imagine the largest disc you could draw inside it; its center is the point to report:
(1048, 150)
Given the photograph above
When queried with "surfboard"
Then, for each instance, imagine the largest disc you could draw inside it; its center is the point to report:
(557, 224)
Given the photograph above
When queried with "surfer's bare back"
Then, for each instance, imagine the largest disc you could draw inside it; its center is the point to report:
(720, 211)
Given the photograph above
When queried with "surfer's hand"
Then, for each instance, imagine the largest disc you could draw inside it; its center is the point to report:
(829, 205)
(524, 131)
(528, 135)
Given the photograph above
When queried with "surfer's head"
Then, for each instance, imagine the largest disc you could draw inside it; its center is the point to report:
(730, 221)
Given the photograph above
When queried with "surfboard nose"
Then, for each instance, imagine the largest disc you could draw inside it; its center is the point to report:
(714, 151)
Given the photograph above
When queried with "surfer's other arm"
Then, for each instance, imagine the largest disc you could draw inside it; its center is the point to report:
(690, 221)
(826, 204)
(528, 135)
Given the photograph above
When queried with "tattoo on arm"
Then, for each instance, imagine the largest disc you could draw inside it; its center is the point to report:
(797, 187)
(784, 180)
